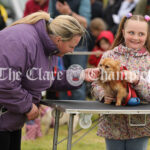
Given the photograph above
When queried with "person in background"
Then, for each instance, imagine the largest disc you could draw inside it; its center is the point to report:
(103, 43)
(81, 10)
(32, 130)
(96, 26)
(127, 6)
(35, 5)
(112, 7)
(33, 127)
(28, 52)
(96, 9)
(142, 7)
(131, 48)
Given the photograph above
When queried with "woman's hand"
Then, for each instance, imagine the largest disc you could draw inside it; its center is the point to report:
(90, 74)
(33, 113)
(131, 77)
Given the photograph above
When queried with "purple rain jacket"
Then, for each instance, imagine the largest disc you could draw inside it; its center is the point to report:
(26, 53)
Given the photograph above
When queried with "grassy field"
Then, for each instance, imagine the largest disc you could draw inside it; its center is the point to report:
(90, 142)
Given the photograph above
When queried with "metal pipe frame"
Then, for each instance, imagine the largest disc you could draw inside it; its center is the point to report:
(70, 131)
(56, 129)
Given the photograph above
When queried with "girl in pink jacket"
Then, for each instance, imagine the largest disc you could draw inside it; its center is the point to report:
(131, 48)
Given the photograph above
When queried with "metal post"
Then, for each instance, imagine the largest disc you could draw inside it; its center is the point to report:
(56, 128)
(70, 131)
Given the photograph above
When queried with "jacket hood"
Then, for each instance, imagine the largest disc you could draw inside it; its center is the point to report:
(49, 47)
(107, 35)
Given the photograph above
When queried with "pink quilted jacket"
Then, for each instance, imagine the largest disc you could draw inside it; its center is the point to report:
(117, 126)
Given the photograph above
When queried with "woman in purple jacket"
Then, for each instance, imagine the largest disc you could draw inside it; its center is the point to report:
(28, 60)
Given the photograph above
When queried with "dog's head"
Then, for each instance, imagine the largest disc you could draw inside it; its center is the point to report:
(109, 68)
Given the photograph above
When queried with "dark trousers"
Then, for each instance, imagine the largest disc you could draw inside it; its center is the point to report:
(10, 140)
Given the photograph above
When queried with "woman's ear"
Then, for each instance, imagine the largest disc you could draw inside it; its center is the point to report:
(58, 39)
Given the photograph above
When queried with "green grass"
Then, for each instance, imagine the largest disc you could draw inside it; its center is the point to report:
(90, 142)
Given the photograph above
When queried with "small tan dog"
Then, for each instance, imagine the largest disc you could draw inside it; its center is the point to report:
(111, 81)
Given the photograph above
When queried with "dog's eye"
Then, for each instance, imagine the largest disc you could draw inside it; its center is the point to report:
(106, 66)
(100, 65)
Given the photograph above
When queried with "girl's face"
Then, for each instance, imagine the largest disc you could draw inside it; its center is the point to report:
(135, 34)
(105, 45)
(67, 46)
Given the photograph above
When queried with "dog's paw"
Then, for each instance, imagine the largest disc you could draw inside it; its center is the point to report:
(118, 104)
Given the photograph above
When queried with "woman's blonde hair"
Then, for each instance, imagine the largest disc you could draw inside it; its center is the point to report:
(119, 36)
(65, 26)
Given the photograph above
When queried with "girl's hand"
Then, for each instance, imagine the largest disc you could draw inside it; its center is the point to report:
(131, 77)
(108, 99)
(90, 74)
(33, 113)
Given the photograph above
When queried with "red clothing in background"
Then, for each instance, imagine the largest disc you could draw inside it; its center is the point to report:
(93, 59)
(32, 6)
